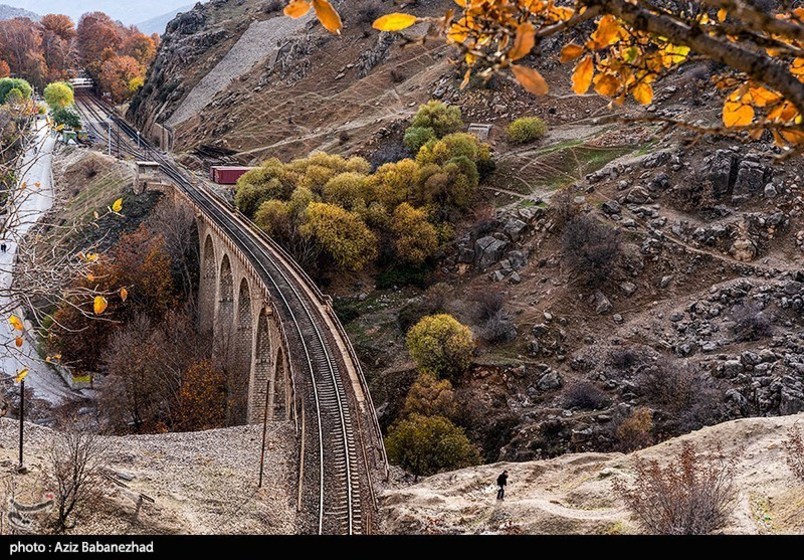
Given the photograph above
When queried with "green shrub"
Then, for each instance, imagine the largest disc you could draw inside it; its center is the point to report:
(59, 95)
(443, 119)
(425, 445)
(7, 84)
(526, 130)
(416, 137)
(439, 343)
(67, 118)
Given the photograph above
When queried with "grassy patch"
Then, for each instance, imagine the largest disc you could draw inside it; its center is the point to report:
(556, 166)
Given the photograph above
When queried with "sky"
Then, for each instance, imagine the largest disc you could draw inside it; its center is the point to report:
(128, 11)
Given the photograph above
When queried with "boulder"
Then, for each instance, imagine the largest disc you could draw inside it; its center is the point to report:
(637, 195)
(628, 288)
(752, 177)
(602, 303)
(549, 381)
(611, 207)
(488, 251)
(721, 166)
(514, 229)
(743, 250)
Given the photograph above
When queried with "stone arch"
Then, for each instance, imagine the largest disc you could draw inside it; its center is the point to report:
(240, 374)
(225, 310)
(206, 289)
(268, 381)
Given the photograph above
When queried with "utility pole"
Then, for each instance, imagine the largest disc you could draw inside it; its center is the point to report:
(22, 420)
(21, 380)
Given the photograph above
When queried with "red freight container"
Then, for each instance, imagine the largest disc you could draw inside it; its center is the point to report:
(225, 175)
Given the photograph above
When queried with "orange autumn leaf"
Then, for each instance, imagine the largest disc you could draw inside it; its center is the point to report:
(736, 113)
(18, 342)
(608, 29)
(571, 52)
(123, 294)
(524, 41)
(297, 8)
(763, 97)
(328, 16)
(582, 76)
(99, 305)
(793, 136)
(16, 322)
(643, 93)
(394, 22)
(721, 14)
(606, 84)
(530, 79)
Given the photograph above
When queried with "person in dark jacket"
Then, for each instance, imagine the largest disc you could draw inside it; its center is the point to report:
(502, 480)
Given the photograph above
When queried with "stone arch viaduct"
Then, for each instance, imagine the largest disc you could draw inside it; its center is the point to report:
(287, 358)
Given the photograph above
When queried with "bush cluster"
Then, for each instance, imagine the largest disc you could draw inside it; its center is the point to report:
(526, 130)
(327, 206)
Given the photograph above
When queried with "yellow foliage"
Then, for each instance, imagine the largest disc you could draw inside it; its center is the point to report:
(394, 22)
(583, 74)
(643, 93)
(607, 33)
(15, 322)
(736, 111)
(99, 305)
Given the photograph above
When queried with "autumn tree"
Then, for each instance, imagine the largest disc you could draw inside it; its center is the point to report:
(5, 69)
(425, 445)
(59, 95)
(342, 234)
(96, 33)
(121, 76)
(140, 47)
(439, 343)
(415, 239)
(202, 398)
(21, 48)
(138, 271)
(58, 45)
(430, 396)
(439, 117)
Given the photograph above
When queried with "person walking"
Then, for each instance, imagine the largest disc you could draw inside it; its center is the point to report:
(502, 481)
(3, 246)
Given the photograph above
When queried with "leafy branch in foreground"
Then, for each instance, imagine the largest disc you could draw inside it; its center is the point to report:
(629, 45)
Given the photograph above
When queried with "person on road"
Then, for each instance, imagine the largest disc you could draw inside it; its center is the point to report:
(3, 246)
(502, 480)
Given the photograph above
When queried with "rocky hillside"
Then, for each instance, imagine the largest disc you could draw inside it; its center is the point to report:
(574, 494)
(697, 314)
(241, 76)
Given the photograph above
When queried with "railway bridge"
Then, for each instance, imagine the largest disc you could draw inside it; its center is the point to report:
(288, 356)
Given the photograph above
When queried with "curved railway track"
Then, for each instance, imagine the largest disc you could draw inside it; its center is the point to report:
(337, 461)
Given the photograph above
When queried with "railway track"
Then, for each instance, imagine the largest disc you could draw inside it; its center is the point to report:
(337, 462)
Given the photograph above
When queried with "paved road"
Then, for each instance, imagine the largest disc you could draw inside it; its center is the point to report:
(29, 205)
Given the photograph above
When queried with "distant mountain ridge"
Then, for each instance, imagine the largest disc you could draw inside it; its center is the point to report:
(10, 12)
(128, 12)
(159, 23)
